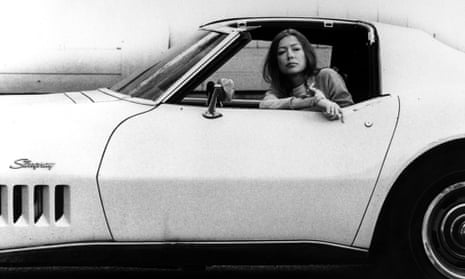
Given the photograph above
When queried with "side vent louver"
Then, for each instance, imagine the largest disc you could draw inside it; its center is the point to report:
(3, 205)
(20, 203)
(62, 204)
(40, 205)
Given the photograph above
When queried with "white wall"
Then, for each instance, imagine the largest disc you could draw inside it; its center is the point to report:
(50, 45)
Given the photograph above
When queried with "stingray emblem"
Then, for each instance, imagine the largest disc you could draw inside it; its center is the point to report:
(26, 163)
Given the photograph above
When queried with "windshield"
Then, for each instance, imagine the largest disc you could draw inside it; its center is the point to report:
(172, 65)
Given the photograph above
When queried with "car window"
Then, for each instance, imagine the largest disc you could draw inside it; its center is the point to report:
(245, 69)
(349, 49)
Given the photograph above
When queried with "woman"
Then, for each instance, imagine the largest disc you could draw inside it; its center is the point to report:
(290, 68)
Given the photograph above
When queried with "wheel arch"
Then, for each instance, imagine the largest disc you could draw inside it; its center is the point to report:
(438, 153)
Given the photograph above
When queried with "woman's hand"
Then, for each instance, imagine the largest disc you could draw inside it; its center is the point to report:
(317, 92)
(332, 111)
(228, 87)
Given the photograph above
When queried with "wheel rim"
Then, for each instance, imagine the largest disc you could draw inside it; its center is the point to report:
(443, 231)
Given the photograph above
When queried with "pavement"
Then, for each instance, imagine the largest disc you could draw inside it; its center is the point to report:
(223, 272)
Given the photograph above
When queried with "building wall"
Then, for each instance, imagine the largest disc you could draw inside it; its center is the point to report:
(55, 45)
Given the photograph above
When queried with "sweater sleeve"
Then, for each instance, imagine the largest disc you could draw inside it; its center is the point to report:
(334, 87)
(270, 101)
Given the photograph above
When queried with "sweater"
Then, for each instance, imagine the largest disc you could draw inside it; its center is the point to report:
(327, 80)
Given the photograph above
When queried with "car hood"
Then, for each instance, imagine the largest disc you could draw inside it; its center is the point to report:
(58, 134)
(78, 97)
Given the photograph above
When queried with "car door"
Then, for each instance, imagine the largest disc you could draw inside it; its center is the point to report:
(251, 175)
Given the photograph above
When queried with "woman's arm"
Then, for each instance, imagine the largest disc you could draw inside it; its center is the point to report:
(330, 109)
(334, 87)
(270, 101)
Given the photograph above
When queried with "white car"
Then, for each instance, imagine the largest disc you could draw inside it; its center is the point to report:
(147, 172)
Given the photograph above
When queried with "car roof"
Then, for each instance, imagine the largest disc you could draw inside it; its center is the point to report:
(341, 30)
(244, 21)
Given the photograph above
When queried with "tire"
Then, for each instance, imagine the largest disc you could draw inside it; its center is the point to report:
(424, 236)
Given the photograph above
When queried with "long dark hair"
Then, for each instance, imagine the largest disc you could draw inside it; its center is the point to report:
(271, 72)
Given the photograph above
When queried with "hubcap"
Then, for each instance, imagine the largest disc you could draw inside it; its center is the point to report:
(462, 232)
(443, 231)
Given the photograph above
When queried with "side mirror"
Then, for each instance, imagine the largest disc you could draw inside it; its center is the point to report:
(211, 112)
(217, 93)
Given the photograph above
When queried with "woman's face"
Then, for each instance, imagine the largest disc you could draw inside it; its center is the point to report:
(291, 56)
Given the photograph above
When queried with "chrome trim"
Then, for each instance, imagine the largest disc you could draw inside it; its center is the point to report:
(116, 243)
(290, 19)
(328, 23)
(371, 32)
(198, 66)
(203, 100)
(124, 97)
(324, 21)
(242, 27)
(222, 29)
(447, 215)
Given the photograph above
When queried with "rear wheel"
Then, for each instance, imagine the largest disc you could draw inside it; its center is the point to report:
(443, 231)
(424, 236)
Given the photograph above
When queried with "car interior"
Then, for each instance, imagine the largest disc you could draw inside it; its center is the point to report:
(350, 48)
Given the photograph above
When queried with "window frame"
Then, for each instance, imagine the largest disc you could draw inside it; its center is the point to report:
(268, 28)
